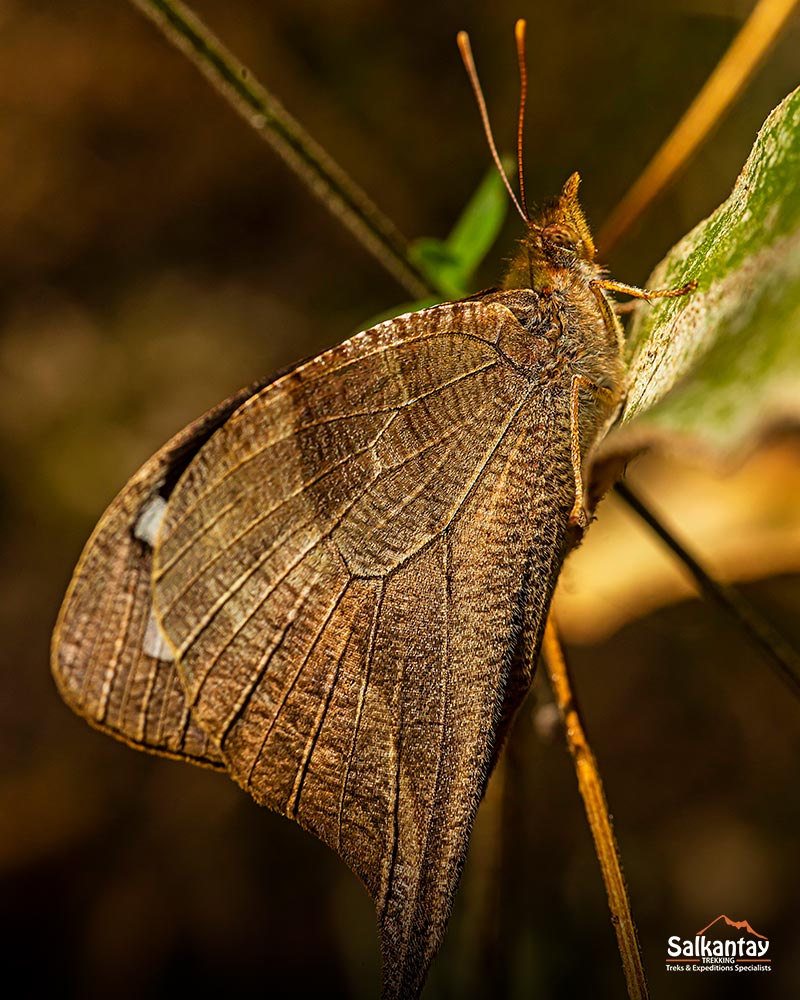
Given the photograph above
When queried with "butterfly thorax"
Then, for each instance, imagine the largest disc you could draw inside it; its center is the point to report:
(548, 286)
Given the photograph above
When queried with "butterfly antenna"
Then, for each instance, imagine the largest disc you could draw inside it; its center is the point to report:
(469, 63)
(519, 33)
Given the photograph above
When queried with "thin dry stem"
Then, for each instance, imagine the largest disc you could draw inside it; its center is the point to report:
(264, 113)
(780, 655)
(732, 73)
(591, 788)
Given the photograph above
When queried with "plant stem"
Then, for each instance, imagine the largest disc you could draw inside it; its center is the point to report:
(729, 77)
(263, 112)
(780, 654)
(590, 785)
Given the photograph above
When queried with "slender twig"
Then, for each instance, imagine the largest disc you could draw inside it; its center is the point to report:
(594, 800)
(273, 123)
(728, 78)
(780, 654)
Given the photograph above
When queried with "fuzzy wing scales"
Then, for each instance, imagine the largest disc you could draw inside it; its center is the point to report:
(343, 574)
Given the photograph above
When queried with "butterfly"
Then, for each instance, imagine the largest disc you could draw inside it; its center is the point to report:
(334, 585)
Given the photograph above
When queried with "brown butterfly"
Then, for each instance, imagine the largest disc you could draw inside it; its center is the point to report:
(334, 585)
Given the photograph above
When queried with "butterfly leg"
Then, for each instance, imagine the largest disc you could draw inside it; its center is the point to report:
(578, 515)
(644, 293)
(612, 312)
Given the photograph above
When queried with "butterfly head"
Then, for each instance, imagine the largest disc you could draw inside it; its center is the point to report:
(562, 226)
(557, 239)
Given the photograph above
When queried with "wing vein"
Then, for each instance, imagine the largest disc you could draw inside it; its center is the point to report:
(362, 694)
(395, 806)
(470, 489)
(110, 673)
(150, 681)
(294, 803)
(296, 430)
(285, 697)
(263, 664)
(255, 522)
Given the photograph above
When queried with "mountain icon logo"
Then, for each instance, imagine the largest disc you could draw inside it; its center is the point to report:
(739, 925)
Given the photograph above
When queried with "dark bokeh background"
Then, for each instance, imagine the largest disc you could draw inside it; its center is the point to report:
(154, 256)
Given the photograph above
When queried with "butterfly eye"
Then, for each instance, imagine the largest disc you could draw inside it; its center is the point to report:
(563, 238)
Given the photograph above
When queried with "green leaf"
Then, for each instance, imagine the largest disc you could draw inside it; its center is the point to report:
(451, 264)
(717, 370)
(479, 226)
(440, 266)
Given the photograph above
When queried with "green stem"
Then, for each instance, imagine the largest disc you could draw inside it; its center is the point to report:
(263, 112)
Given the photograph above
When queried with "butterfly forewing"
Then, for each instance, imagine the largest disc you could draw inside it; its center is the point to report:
(342, 573)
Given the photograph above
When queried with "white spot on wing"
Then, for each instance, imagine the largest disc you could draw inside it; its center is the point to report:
(150, 518)
(155, 644)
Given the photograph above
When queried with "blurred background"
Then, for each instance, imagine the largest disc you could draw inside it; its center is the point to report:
(154, 256)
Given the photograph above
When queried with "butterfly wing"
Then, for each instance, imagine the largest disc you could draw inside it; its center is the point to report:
(343, 574)
(108, 657)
